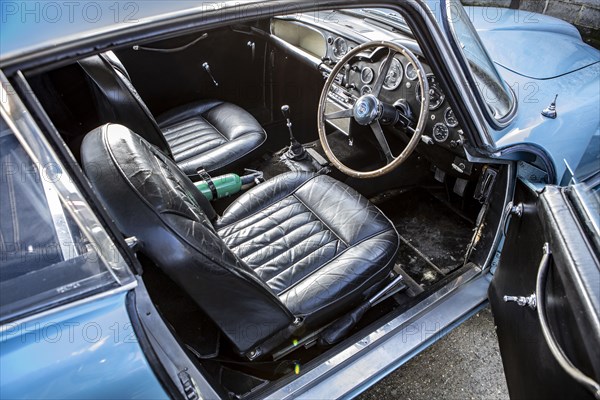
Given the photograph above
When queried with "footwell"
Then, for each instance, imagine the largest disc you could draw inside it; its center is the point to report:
(434, 238)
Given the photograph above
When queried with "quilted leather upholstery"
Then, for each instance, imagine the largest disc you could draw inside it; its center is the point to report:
(213, 135)
(299, 245)
(312, 239)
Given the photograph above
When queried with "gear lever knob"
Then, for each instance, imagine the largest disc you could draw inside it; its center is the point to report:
(285, 110)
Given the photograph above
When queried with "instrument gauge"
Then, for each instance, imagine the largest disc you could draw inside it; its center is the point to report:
(440, 132)
(411, 72)
(366, 75)
(340, 47)
(450, 119)
(394, 75)
(436, 95)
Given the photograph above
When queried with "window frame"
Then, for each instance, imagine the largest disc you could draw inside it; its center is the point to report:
(73, 195)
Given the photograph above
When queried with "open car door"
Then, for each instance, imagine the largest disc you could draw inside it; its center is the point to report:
(545, 294)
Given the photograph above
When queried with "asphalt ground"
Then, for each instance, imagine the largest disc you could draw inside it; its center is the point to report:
(465, 364)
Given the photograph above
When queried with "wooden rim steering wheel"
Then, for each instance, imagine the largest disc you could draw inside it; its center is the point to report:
(370, 109)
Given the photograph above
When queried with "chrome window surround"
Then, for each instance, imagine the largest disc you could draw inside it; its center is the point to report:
(35, 144)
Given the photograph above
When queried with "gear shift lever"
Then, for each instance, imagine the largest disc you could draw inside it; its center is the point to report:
(296, 151)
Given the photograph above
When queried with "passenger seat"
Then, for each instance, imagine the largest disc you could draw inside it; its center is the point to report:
(210, 134)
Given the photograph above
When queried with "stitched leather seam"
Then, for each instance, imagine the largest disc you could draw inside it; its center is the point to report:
(230, 161)
(177, 136)
(178, 119)
(192, 140)
(286, 250)
(310, 177)
(320, 219)
(277, 226)
(392, 262)
(342, 253)
(353, 291)
(190, 156)
(235, 231)
(218, 131)
(333, 240)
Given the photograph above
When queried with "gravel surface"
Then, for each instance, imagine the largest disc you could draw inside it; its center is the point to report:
(465, 364)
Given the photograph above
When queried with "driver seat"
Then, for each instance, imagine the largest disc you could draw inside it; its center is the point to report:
(286, 258)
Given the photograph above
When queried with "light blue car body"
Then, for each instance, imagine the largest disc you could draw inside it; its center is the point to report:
(86, 351)
(90, 350)
(541, 57)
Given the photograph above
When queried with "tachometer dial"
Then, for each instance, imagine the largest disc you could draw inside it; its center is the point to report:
(411, 72)
(340, 47)
(366, 75)
(436, 95)
(394, 75)
(450, 119)
(440, 132)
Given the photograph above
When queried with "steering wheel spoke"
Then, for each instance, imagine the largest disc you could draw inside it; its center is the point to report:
(383, 73)
(380, 136)
(347, 113)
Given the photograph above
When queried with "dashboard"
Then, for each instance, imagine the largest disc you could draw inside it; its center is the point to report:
(336, 36)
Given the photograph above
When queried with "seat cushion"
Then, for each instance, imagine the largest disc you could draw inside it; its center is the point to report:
(213, 135)
(317, 243)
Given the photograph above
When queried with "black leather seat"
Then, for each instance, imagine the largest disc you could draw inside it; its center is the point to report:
(210, 134)
(285, 258)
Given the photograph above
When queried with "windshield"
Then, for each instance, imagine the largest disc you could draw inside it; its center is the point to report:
(492, 88)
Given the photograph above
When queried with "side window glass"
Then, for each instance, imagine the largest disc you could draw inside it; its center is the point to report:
(46, 254)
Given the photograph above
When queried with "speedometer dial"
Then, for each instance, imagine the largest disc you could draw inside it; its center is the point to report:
(436, 95)
(394, 75)
(340, 47)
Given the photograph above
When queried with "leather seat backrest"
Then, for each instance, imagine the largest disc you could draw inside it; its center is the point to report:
(118, 101)
(150, 198)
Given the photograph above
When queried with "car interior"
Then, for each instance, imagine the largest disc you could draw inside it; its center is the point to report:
(356, 197)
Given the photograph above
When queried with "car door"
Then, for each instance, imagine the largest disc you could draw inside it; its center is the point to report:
(545, 293)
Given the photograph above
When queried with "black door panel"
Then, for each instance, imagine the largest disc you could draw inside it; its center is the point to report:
(531, 369)
(166, 79)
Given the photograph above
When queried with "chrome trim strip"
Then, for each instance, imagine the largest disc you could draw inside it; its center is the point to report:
(125, 288)
(35, 144)
(360, 363)
(59, 220)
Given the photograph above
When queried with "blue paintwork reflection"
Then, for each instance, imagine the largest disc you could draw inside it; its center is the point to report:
(88, 351)
(567, 137)
(533, 45)
(540, 57)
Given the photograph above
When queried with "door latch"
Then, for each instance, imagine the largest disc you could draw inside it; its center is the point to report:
(522, 301)
(207, 69)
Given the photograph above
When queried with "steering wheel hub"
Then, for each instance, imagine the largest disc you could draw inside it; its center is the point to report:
(367, 109)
